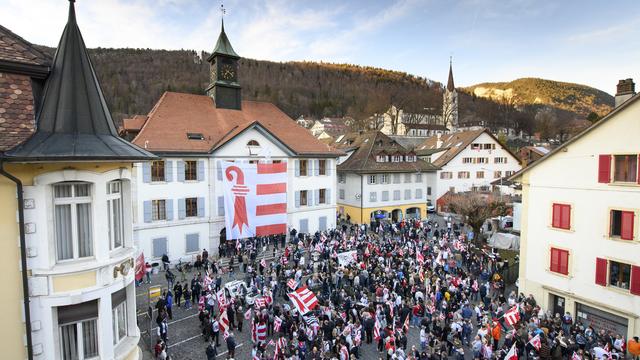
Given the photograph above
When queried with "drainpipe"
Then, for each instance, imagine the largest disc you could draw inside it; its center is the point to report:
(23, 259)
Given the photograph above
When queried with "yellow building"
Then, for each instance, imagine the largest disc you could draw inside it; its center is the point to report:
(379, 180)
(67, 255)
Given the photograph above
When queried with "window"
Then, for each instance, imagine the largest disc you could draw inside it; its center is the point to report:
(407, 178)
(508, 173)
(322, 167)
(195, 136)
(191, 170)
(619, 274)
(446, 175)
(482, 160)
(276, 161)
(497, 174)
(373, 196)
(373, 179)
(463, 175)
(253, 143)
(622, 224)
(396, 178)
(341, 194)
(407, 194)
(192, 243)
(500, 160)
(159, 247)
(489, 146)
(479, 174)
(411, 158)
(158, 210)
(303, 167)
(476, 146)
(119, 322)
(418, 193)
(418, 178)
(559, 261)
(191, 207)
(467, 160)
(303, 197)
(78, 331)
(322, 196)
(625, 168)
(72, 221)
(381, 158)
(384, 179)
(396, 158)
(385, 196)
(561, 216)
(428, 190)
(157, 171)
(396, 194)
(114, 214)
(342, 178)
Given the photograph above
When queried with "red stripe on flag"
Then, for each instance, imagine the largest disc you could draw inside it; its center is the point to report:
(267, 189)
(272, 168)
(264, 230)
(271, 209)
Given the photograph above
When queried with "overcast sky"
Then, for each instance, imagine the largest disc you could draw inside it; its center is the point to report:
(591, 42)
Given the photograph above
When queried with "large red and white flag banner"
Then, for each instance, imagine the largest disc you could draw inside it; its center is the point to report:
(304, 300)
(255, 199)
(512, 316)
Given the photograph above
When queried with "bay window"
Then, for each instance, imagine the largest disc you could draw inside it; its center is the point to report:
(119, 315)
(78, 329)
(72, 220)
(114, 214)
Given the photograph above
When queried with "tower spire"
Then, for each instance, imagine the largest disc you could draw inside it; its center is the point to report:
(450, 85)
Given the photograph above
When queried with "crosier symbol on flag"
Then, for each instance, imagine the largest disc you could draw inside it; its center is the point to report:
(239, 190)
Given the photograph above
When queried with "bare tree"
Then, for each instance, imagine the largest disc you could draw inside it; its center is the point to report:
(475, 208)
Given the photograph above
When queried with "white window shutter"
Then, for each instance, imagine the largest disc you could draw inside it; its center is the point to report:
(328, 200)
(219, 170)
(316, 167)
(180, 170)
(146, 172)
(168, 205)
(200, 207)
(327, 167)
(147, 211)
(200, 170)
(182, 209)
(168, 171)
(316, 196)
(220, 205)
(297, 198)
(297, 163)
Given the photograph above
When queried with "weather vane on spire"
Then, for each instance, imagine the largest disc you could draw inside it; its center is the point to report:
(222, 11)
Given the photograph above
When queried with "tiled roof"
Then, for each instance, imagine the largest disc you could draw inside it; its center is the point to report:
(426, 126)
(367, 145)
(16, 49)
(177, 114)
(135, 123)
(16, 110)
(455, 142)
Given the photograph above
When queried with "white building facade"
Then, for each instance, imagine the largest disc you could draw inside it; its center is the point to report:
(468, 161)
(180, 202)
(579, 226)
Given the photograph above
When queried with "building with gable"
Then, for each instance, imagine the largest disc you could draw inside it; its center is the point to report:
(579, 245)
(179, 206)
(467, 160)
(66, 190)
(380, 180)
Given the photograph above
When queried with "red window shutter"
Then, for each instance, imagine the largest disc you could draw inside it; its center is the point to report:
(564, 262)
(555, 222)
(635, 280)
(566, 217)
(554, 260)
(626, 232)
(601, 271)
(604, 169)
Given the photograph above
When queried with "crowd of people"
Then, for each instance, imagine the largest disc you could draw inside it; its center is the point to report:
(374, 284)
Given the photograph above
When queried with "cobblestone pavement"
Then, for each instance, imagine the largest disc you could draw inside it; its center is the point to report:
(186, 342)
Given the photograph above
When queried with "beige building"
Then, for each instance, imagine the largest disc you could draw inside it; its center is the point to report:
(580, 244)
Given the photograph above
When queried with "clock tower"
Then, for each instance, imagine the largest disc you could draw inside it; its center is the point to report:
(223, 85)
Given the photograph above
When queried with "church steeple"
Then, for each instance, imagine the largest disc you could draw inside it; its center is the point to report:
(450, 86)
(223, 64)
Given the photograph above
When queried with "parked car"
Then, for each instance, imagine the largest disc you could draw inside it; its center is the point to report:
(239, 288)
(430, 207)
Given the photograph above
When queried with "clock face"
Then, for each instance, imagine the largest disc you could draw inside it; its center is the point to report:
(228, 72)
(213, 73)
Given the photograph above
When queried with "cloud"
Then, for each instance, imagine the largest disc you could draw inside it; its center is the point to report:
(619, 31)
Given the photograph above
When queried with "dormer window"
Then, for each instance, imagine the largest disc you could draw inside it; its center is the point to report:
(411, 158)
(195, 136)
(396, 158)
(254, 147)
(381, 158)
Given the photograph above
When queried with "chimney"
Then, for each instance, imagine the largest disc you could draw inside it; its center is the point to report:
(439, 141)
(625, 90)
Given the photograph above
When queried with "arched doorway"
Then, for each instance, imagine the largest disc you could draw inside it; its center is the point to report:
(413, 213)
(396, 215)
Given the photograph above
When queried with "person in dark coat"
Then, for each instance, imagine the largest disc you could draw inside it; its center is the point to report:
(211, 352)
(231, 345)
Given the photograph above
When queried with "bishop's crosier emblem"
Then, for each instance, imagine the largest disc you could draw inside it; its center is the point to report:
(240, 190)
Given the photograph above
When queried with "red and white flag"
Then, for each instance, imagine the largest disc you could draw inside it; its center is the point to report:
(535, 342)
(419, 257)
(277, 323)
(575, 356)
(376, 330)
(140, 268)
(260, 331)
(224, 322)
(512, 316)
(304, 300)
(292, 284)
(263, 263)
(260, 302)
(247, 314)
(255, 199)
(222, 300)
(405, 326)
(512, 354)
